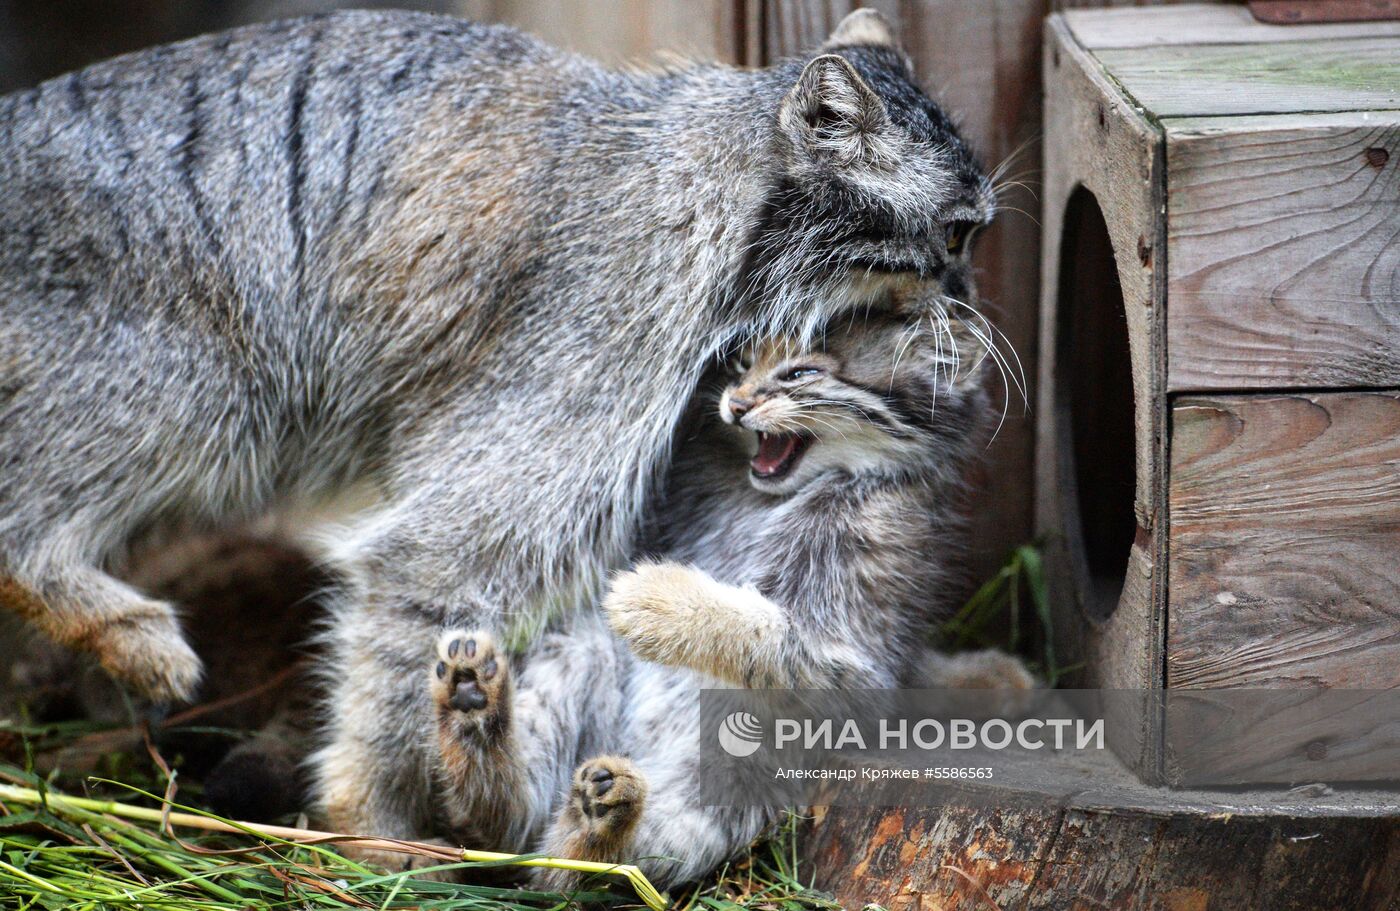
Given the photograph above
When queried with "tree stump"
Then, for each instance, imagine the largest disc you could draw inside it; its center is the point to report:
(1175, 857)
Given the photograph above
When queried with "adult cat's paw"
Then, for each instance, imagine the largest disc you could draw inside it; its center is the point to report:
(150, 653)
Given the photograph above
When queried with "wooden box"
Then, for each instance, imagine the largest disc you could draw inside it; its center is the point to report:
(1218, 430)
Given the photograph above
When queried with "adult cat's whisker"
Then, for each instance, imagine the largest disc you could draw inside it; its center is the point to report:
(945, 330)
(998, 172)
(1019, 211)
(990, 350)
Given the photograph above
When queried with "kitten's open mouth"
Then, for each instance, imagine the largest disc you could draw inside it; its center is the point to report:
(778, 454)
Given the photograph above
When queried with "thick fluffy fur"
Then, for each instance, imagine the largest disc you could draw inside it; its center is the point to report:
(830, 574)
(427, 263)
(829, 578)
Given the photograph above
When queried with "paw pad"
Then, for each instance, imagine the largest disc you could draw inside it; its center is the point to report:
(468, 674)
(608, 792)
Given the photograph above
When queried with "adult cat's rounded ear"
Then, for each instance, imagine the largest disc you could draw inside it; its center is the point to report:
(864, 26)
(833, 112)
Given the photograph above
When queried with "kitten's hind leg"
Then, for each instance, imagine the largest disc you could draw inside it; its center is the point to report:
(479, 764)
(616, 813)
(606, 798)
(1012, 685)
(989, 669)
(136, 639)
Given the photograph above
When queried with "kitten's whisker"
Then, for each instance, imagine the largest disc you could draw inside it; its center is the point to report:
(906, 338)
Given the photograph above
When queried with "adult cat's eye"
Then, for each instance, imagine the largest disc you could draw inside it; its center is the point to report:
(958, 235)
(798, 373)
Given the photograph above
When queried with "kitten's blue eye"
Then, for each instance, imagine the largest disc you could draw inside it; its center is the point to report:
(799, 373)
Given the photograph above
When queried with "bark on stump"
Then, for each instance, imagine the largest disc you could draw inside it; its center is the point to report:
(978, 858)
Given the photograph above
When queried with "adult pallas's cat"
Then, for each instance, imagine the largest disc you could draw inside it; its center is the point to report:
(415, 267)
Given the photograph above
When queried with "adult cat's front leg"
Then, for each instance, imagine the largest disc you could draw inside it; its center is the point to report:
(371, 775)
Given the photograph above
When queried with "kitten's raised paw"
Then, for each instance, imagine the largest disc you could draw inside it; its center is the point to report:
(606, 798)
(663, 611)
(470, 682)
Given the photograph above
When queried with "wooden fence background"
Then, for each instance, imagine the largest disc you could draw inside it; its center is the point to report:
(980, 58)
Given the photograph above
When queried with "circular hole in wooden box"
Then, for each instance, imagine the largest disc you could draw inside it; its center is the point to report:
(1094, 409)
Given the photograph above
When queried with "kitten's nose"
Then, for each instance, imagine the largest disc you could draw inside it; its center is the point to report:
(738, 407)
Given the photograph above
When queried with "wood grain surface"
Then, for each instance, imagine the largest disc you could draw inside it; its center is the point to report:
(1290, 507)
(624, 31)
(1095, 140)
(1357, 74)
(1284, 539)
(1215, 23)
(963, 858)
(1284, 239)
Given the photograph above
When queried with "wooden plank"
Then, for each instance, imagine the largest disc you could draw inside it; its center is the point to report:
(1285, 527)
(797, 26)
(1151, 26)
(1284, 235)
(790, 28)
(1094, 139)
(982, 62)
(618, 31)
(1122, 860)
(748, 18)
(1276, 78)
(1292, 12)
(1234, 737)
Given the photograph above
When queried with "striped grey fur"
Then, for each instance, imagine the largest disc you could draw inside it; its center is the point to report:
(829, 578)
(401, 276)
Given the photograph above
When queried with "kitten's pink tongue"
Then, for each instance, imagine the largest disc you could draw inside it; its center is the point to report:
(773, 453)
